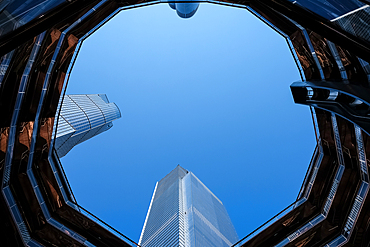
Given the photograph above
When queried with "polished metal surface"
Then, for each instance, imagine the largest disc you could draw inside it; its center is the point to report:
(329, 40)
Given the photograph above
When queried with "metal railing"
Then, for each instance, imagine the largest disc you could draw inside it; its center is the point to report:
(291, 48)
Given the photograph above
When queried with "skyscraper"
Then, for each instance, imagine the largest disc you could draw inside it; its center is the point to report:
(184, 212)
(81, 118)
(330, 42)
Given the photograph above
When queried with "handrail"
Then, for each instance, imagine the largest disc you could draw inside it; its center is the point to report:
(260, 228)
(85, 211)
(64, 175)
(299, 199)
(167, 1)
(106, 224)
(308, 172)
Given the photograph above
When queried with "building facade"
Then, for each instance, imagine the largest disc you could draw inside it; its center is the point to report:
(329, 40)
(184, 212)
(82, 117)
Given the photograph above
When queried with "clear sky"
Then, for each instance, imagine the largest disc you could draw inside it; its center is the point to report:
(210, 93)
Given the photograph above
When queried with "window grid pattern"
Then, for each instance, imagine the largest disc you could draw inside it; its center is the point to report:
(165, 222)
(356, 22)
(4, 64)
(81, 118)
(207, 219)
(14, 14)
(184, 212)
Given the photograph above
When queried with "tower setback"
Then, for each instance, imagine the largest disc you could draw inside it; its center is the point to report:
(81, 118)
(184, 212)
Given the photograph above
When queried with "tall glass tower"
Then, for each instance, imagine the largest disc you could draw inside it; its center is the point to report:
(184, 212)
(81, 118)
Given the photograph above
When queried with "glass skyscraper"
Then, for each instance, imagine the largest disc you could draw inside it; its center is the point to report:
(39, 43)
(352, 16)
(184, 212)
(81, 118)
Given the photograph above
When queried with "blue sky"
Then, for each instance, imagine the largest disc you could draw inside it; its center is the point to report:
(210, 93)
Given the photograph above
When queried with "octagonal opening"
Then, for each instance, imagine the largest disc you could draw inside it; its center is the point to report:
(210, 93)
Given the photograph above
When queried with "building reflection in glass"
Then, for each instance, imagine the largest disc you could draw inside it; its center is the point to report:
(351, 16)
(184, 10)
(330, 9)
